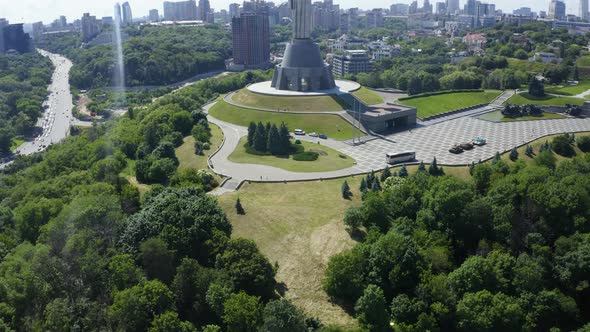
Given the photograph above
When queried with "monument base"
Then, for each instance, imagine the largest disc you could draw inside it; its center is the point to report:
(303, 69)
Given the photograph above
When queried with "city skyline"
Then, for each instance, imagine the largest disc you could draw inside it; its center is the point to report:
(29, 11)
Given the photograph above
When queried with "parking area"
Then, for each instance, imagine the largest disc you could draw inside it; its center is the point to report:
(436, 140)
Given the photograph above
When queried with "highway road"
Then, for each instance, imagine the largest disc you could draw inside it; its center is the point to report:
(54, 124)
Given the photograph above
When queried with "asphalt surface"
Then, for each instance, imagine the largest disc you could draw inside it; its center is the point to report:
(54, 124)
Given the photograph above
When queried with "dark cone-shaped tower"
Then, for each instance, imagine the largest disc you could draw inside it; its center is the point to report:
(303, 68)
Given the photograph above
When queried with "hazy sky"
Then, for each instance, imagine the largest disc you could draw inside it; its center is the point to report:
(28, 11)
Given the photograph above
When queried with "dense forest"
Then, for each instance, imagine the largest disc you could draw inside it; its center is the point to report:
(425, 65)
(23, 88)
(507, 250)
(81, 250)
(152, 56)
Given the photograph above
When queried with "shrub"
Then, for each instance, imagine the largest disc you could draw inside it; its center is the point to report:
(583, 143)
(306, 156)
(428, 94)
(206, 146)
(561, 145)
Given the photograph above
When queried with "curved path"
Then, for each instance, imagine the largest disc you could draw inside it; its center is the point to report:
(254, 172)
(428, 142)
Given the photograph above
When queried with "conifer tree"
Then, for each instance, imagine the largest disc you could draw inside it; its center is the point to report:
(471, 167)
(363, 186)
(345, 190)
(513, 154)
(260, 138)
(385, 174)
(239, 208)
(403, 172)
(273, 144)
(285, 139)
(421, 167)
(433, 168)
(251, 133)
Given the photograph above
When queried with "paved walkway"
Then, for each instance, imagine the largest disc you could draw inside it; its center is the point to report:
(428, 142)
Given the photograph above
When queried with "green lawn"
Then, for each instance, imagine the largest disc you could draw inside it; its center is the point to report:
(528, 66)
(332, 125)
(525, 98)
(16, 142)
(186, 152)
(569, 90)
(437, 104)
(293, 104)
(329, 160)
(497, 116)
(367, 96)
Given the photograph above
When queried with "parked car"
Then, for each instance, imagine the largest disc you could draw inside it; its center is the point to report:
(466, 146)
(323, 136)
(479, 141)
(456, 149)
(298, 132)
(314, 134)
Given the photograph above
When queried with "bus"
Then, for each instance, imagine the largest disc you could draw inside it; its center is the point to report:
(400, 157)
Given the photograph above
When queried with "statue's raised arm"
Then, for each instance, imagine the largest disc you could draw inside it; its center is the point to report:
(301, 10)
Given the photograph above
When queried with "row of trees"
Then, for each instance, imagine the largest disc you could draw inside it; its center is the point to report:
(269, 138)
(498, 252)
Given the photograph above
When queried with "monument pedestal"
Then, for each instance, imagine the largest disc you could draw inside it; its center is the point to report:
(303, 68)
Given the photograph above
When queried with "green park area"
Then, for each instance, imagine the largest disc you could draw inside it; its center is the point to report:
(332, 125)
(292, 104)
(528, 66)
(496, 116)
(328, 160)
(186, 152)
(432, 105)
(367, 96)
(548, 100)
(569, 90)
(307, 218)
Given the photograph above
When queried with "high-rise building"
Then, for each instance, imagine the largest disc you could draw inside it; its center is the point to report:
(205, 14)
(154, 15)
(127, 15)
(63, 21)
(89, 27)
(452, 6)
(344, 23)
(584, 10)
(523, 11)
(375, 18)
(441, 8)
(180, 11)
(118, 16)
(251, 40)
(353, 16)
(399, 9)
(413, 7)
(470, 7)
(556, 10)
(14, 38)
(234, 10)
(3, 23)
(37, 30)
(107, 20)
(427, 7)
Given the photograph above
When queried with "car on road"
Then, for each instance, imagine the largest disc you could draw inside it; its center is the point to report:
(298, 132)
(323, 136)
(479, 141)
(314, 134)
(456, 149)
(466, 146)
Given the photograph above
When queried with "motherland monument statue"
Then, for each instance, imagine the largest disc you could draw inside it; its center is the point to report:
(302, 68)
